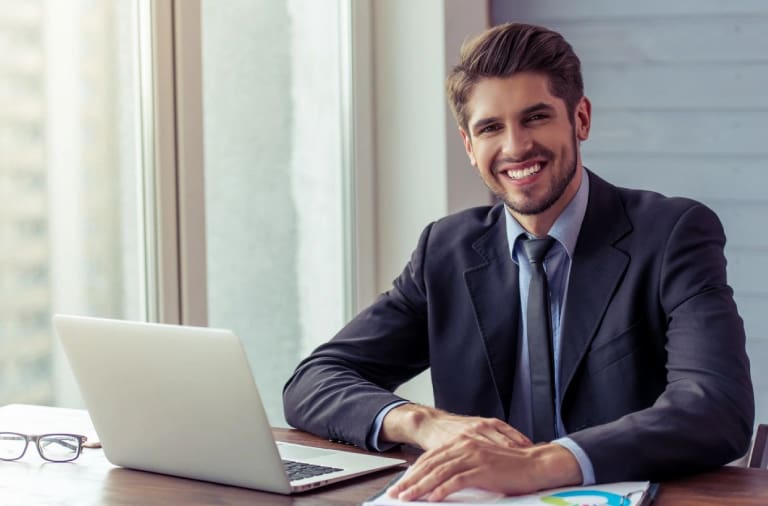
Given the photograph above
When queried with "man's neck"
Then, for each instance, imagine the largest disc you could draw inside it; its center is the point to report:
(537, 224)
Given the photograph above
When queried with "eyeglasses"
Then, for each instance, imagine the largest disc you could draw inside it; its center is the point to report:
(52, 447)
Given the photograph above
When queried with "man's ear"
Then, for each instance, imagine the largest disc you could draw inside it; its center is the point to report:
(583, 118)
(468, 147)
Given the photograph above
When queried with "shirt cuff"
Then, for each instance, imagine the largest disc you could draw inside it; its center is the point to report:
(587, 471)
(373, 435)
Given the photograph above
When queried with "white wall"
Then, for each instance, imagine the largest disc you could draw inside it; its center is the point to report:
(421, 171)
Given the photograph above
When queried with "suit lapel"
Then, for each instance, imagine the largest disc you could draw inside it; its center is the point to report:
(493, 289)
(596, 271)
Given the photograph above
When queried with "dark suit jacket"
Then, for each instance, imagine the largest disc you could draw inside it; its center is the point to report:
(654, 374)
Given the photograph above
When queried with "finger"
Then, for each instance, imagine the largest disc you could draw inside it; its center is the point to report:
(499, 433)
(454, 484)
(514, 435)
(511, 434)
(428, 466)
(431, 481)
(401, 484)
(492, 437)
(406, 483)
(414, 474)
(423, 466)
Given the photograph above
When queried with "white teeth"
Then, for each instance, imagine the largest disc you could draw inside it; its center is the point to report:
(520, 174)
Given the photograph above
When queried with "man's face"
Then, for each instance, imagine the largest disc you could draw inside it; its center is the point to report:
(523, 143)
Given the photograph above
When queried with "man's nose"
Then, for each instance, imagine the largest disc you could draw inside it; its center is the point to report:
(517, 142)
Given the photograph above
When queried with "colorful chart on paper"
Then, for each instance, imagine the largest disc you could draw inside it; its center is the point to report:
(585, 497)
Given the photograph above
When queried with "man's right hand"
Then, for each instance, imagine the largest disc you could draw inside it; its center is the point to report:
(429, 428)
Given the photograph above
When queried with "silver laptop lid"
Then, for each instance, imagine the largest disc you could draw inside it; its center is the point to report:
(172, 399)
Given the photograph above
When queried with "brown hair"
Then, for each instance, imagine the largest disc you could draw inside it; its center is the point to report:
(510, 48)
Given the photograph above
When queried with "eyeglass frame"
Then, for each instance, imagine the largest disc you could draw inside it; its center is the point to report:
(36, 439)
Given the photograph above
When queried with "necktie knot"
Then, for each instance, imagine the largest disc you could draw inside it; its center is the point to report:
(536, 249)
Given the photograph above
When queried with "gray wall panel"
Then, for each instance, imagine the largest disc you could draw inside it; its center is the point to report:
(720, 87)
(757, 330)
(688, 132)
(642, 41)
(697, 176)
(552, 10)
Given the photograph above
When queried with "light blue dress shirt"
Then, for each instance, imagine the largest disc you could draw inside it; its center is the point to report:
(557, 265)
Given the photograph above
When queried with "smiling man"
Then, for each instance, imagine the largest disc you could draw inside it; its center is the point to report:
(576, 332)
(523, 141)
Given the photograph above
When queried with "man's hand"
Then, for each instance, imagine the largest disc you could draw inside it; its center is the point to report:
(431, 428)
(470, 451)
(471, 462)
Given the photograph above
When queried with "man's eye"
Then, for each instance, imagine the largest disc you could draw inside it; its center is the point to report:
(490, 128)
(535, 117)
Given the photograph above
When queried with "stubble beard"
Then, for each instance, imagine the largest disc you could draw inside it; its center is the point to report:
(527, 205)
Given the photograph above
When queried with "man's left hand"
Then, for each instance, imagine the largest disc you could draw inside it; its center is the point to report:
(469, 462)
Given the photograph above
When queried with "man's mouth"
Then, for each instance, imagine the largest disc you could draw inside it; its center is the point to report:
(523, 173)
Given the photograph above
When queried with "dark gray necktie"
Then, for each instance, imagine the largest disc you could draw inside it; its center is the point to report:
(540, 342)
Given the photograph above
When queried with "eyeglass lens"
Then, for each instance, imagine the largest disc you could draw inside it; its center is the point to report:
(59, 447)
(53, 447)
(12, 446)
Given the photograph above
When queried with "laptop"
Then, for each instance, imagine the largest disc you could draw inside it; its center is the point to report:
(182, 401)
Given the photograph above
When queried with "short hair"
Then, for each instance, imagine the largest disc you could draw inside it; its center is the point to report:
(510, 48)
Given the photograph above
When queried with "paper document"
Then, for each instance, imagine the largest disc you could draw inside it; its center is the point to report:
(627, 493)
(30, 419)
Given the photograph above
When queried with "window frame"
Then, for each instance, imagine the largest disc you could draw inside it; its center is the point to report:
(174, 206)
(180, 276)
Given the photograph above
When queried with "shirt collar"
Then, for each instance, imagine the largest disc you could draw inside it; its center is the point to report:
(565, 229)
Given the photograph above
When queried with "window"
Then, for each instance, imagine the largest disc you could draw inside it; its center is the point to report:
(68, 172)
(274, 180)
(96, 199)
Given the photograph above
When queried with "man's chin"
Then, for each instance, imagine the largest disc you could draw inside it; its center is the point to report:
(528, 206)
(531, 210)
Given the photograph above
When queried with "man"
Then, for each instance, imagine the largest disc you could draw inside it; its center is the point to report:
(644, 372)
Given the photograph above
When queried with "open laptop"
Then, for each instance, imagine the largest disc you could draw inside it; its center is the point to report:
(182, 401)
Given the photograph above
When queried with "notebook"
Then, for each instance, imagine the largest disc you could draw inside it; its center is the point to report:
(182, 401)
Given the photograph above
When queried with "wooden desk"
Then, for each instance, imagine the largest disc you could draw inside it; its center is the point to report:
(91, 480)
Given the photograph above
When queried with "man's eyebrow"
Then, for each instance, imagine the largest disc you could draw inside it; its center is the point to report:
(541, 106)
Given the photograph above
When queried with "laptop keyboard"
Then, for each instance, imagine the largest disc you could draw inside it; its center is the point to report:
(302, 470)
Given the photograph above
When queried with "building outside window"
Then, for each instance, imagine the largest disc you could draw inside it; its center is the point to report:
(68, 203)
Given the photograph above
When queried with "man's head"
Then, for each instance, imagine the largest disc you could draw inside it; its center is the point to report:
(517, 94)
(507, 49)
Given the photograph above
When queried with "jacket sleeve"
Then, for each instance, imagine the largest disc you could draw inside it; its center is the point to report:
(339, 389)
(704, 417)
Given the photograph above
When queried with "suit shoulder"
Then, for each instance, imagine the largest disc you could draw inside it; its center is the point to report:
(653, 206)
(473, 216)
(467, 224)
(454, 238)
(651, 215)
